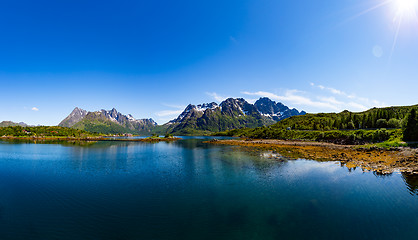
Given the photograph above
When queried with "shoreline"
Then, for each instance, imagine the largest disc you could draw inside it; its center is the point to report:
(380, 160)
(89, 139)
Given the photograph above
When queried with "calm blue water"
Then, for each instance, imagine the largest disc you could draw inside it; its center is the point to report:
(191, 190)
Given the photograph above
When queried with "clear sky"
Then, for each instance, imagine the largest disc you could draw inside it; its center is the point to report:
(152, 58)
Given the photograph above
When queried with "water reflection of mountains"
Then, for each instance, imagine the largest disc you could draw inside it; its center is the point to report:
(260, 164)
(185, 142)
(77, 143)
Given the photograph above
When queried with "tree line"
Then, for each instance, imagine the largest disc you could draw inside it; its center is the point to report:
(391, 117)
(43, 131)
(377, 119)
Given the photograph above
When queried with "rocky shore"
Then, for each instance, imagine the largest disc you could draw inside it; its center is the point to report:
(384, 161)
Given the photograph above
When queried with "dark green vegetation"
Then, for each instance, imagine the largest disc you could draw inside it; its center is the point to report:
(43, 131)
(390, 117)
(410, 132)
(345, 127)
(334, 136)
(156, 138)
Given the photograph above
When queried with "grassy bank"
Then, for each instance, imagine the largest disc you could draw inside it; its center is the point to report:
(381, 137)
(346, 128)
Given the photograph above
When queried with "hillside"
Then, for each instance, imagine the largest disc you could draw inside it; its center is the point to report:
(389, 117)
(367, 126)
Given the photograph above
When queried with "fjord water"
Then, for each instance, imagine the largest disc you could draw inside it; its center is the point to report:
(192, 190)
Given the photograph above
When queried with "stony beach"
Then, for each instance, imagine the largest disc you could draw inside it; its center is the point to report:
(384, 161)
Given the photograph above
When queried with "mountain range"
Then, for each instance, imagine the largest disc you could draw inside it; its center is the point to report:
(195, 119)
(230, 114)
(107, 122)
(12, 124)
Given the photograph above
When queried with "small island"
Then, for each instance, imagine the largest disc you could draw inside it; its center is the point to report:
(156, 138)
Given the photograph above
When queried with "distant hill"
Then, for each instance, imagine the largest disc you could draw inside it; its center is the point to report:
(11, 124)
(230, 114)
(107, 122)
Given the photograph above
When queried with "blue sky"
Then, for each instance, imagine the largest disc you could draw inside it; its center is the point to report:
(152, 58)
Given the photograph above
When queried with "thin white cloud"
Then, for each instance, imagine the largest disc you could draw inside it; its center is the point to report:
(166, 113)
(336, 91)
(294, 97)
(359, 103)
(332, 90)
(330, 100)
(263, 94)
(232, 39)
(338, 101)
(174, 106)
(216, 96)
(35, 109)
(356, 106)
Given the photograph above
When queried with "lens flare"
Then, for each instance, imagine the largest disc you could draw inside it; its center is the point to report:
(406, 6)
(405, 13)
(406, 10)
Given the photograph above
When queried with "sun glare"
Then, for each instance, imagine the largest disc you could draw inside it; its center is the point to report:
(407, 7)
(405, 13)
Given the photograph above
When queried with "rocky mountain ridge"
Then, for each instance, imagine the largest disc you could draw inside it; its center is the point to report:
(276, 111)
(107, 122)
(75, 116)
(229, 114)
(198, 119)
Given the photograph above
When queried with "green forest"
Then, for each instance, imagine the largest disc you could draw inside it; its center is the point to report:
(390, 117)
(374, 125)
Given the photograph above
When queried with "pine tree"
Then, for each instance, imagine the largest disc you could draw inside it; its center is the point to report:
(410, 132)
